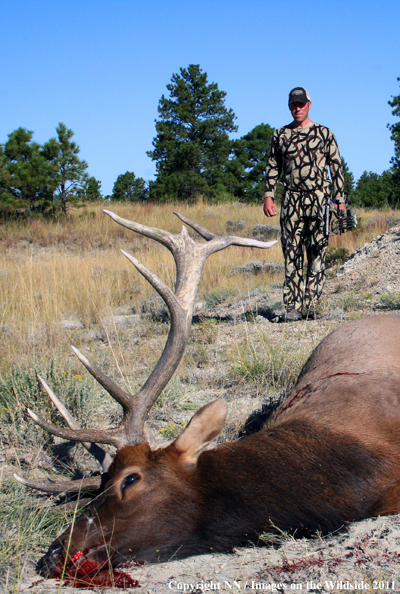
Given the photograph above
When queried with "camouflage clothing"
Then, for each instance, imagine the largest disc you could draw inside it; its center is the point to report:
(302, 156)
(302, 226)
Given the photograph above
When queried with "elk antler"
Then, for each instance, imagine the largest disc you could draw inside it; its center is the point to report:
(190, 257)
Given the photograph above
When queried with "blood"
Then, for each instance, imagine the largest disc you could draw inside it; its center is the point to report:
(305, 390)
(104, 579)
(84, 573)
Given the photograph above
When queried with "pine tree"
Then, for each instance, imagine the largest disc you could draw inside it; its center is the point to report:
(129, 188)
(395, 136)
(91, 192)
(27, 177)
(69, 170)
(348, 179)
(192, 145)
(247, 166)
(374, 190)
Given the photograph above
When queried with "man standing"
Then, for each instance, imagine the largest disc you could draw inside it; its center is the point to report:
(302, 152)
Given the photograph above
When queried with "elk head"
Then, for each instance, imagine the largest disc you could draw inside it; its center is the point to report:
(145, 484)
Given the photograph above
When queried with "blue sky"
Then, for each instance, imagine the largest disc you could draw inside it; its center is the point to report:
(101, 67)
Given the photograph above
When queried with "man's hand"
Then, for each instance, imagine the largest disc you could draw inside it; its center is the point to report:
(269, 207)
(342, 207)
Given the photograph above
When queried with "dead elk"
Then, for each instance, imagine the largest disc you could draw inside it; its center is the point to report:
(330, 454)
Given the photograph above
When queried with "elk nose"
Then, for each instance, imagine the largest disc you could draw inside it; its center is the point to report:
(47, 565)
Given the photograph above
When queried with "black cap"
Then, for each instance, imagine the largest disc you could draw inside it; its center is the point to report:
(299, 94)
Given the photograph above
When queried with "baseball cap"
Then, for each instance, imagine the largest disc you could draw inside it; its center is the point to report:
(299, 94)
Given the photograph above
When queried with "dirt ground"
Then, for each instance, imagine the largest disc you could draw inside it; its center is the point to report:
(364, 556)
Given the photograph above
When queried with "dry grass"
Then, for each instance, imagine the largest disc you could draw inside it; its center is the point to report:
(268, 363)
(51, 272)
(73, 269)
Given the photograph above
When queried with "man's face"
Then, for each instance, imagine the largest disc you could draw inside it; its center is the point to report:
(300, 111)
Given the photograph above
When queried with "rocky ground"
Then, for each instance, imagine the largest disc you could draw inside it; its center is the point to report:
(372, 270)
(365, 556)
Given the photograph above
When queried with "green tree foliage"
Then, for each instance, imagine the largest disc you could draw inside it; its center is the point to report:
(395, 130)
(129, 188)
(91, 190)
(348, 179)
(395, 136)
(192, 145)
(373, 190)
(27, 182)
(246, 169)
(69, 170)
(4, 176)
(378, 191)
(46, 179)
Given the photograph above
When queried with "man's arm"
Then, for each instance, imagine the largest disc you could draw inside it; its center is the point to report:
(335, 167)
(272, 172)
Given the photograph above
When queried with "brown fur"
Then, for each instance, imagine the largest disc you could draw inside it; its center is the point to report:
(330, 454)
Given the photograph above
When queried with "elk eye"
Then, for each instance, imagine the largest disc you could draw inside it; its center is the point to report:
(130, 479)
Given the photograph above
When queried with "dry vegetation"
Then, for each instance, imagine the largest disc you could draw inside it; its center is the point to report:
(67, 283)
(51, 273)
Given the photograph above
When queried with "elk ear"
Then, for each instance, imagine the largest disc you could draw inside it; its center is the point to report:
(202, 428)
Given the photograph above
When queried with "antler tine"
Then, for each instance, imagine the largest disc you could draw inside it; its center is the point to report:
(113, 437)
(85, 484)
(96, 451)
(160, 235)
(111, 387)
(199, 228)
(162, 289)
(246, 242)
(225, 240)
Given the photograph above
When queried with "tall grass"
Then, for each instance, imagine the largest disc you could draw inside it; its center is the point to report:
(268, 364)
(19, 522)
(52, 272)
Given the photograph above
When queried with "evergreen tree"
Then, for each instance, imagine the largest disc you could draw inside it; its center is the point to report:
(192, 145)
(4, 176)
(395, 136)
(69, 170)
(373, 190)
(91, 191)
(27, 181)
(129, 188)
(348, 179)
(246, 168)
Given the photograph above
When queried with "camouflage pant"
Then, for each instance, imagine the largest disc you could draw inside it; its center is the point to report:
(302, 228)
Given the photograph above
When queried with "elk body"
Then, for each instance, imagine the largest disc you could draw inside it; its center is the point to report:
(330, 454)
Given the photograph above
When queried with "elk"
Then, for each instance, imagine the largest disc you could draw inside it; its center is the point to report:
(328, 455)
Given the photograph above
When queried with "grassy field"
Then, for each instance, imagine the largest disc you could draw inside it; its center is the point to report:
(51, 273)
(61, 284)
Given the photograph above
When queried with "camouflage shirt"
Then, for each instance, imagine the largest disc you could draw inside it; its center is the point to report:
(303, 155)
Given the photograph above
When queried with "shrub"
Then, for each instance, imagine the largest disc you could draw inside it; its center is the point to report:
(390, 300)
(336, 256)
(218, 296)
